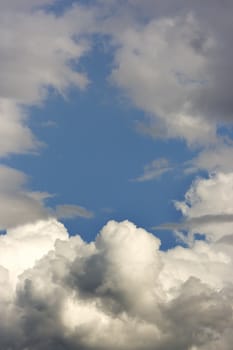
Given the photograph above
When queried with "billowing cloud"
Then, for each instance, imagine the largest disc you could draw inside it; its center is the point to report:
(173, 59)
(119, 292)
(21, 247)
(207, 203)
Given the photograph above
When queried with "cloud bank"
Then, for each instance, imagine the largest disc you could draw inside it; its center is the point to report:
(119, 292)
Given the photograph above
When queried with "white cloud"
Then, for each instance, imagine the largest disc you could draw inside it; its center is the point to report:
(21, 247)
(119, 292)
(214, 159)
(38, 52)
(68, 211)
(154, 170)
(19, 205)
(15, 136)
(161, 72)
(173, 60)
(210, 199)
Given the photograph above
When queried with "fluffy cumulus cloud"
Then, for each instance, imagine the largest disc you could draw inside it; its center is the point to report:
(208, 206)
(119, 292)
(174, 59)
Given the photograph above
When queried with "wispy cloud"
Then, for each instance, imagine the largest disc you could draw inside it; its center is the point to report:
(195, 222)
(154, 170)
(68, 211)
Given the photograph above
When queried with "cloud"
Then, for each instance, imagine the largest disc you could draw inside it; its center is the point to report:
(68, 211)
(190, 224)
(207, 207)
(15, 135)
(39, 53)
(119, 292)
(154, 170)
(19, 205)
(173, 60)
(213, 159)
(21, 247)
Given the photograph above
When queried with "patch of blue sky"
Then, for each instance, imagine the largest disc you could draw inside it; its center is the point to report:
(59, 6)
(93, 151)
(226, 131)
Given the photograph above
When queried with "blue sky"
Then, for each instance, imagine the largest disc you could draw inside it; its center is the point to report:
(93, 151)
(121, 134)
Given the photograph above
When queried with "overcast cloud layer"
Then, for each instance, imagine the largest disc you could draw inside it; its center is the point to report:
(173, 60)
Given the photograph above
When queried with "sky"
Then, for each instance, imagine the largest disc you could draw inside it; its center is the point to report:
(116, 175)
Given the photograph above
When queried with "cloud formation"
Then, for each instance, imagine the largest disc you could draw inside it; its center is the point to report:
(19, 205)
(212, 159)
(173, 60)
(206, 204)
(38, 52)
(154, 170)
(68, 211)
(119, 292)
